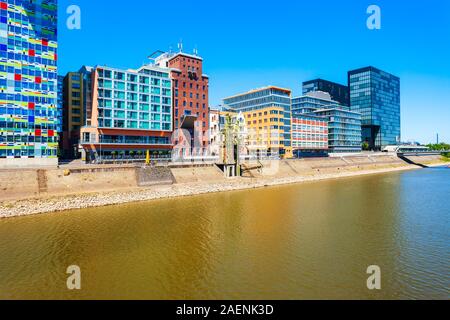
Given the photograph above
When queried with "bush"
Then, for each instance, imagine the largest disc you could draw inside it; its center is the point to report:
(365, 146)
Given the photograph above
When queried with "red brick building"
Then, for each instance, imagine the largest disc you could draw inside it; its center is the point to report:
(190, 94)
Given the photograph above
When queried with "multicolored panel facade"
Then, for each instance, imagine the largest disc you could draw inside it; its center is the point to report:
(60, 104)
(28, 79)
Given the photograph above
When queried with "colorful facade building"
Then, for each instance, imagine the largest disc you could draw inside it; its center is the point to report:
(190, 98)
(267, 109)
(60, 99)
(60, 113)
(309, 135)
(131, 113)
(28, 82)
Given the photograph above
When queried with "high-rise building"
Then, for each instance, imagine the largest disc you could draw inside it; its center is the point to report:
(376, 95)
(60, 116)
(130, 114)
(28, 82)
(190, 97)
(60, 112)
(267, 99)
(338, 92)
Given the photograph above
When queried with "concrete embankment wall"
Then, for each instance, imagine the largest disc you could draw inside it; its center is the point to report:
(310, 167)
(424, 160)
(20, 184)
(197, 174)
(23, 184)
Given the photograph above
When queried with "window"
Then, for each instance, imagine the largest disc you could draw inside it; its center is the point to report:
(119, 75)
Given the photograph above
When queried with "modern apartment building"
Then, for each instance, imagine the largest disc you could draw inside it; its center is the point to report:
(338, 92)
(265, 129)
(264, 105)
(28, 82)
(309, 135)
(74, 117)
(131, 113)
(344, 129)
(344, 126)
(376, 95)
(190, 98)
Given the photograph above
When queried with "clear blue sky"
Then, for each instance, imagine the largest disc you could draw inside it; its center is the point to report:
(249, 44)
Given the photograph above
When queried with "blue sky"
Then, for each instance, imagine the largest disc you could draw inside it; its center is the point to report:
(249, 44)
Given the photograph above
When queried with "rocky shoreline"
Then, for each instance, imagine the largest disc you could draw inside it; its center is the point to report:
(63, 203)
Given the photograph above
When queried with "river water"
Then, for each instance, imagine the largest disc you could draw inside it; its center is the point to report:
(306, 241)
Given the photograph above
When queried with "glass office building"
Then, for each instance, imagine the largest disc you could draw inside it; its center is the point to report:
(265, 98)
(376, 95)
(344, 126)
(313, 101)
(344, 129)
(338, 92)
(28, 79)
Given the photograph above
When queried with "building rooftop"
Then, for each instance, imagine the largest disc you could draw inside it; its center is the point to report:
(324, 80)
(370, 68)
(187, 55)
(319, 95)
(337, 109)
(288, 91)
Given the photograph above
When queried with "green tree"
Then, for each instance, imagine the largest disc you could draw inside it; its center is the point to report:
(440, 147)
(365, 146)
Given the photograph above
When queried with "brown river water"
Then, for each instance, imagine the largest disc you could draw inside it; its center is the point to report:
(305, 241)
